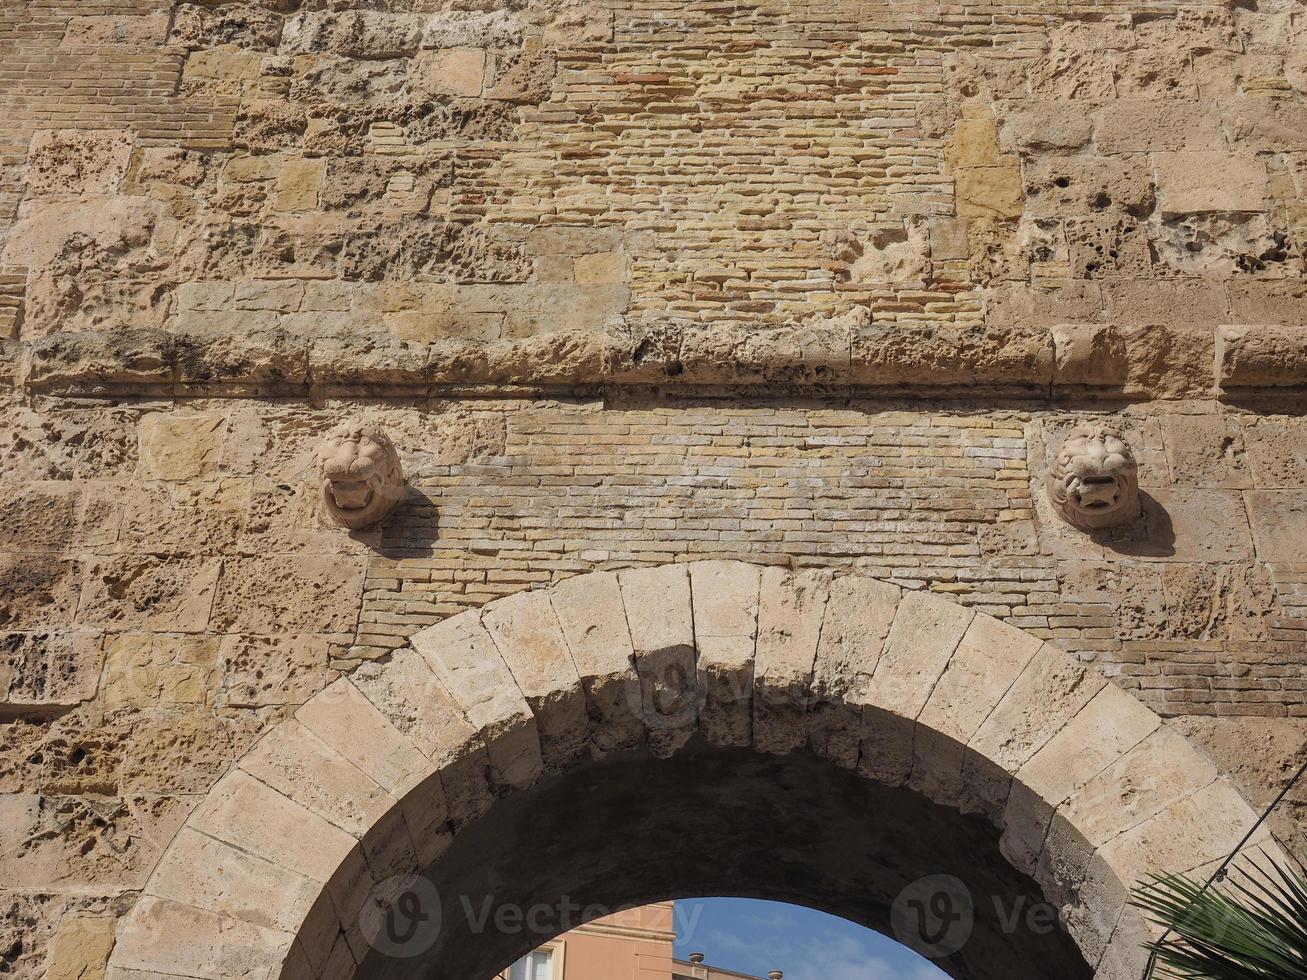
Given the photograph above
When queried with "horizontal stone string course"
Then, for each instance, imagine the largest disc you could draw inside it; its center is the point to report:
(1065, 358)
(904, 687)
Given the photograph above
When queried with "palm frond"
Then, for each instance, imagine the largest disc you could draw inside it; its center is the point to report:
(1252, 926)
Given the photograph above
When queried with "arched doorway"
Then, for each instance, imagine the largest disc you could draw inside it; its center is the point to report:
(711, 727)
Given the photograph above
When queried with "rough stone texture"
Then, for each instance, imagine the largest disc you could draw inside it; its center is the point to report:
(1101, 792)
(816, 286)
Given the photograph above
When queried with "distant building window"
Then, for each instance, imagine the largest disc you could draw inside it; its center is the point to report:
(532, 966)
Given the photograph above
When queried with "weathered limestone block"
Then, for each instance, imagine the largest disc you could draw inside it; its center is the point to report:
(905, 354)
(469, 665)
(526, 631)
(408, 693)
(1093, 481)
(149, 594)
(791, 606)
(1138, 125)
(300, 766)
(858, 615)
(182, 751)
(1047, 694)
(990, 656)
(1079, 185)
(81, 947)
(353, 33)
(362, 479)
(180, 447)
(660, 616)
(170, 938)
(210, 874)
(258, 671)
(1111, 724)
(77, 163)
(725, 604)
(593, 620)
(926, 631)
(1279, 522)
(42, 674)
(1261, 356)
(1090, 354)
(277, 594)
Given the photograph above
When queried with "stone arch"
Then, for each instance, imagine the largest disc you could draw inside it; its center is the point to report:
(381, 773)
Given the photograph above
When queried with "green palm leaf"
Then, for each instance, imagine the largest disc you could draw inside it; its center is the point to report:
(1252, 926)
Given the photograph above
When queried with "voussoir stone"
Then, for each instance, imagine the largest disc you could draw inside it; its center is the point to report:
(791, 606)
(989, 658)
(858, 615)
(924, 636)
(526, 631)
(468, 663)
(725, 606)
(661, 620)
(166, 937)
(593, 620)
(1045, 696)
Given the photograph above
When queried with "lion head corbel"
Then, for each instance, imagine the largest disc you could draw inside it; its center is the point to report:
(1094, 480)
(362, 480)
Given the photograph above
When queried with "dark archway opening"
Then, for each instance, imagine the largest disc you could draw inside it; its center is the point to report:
(631, 830)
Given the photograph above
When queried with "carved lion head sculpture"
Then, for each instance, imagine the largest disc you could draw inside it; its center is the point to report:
(362, 481)
(1094, 481)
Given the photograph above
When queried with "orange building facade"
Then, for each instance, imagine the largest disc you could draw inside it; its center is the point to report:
(635, 944)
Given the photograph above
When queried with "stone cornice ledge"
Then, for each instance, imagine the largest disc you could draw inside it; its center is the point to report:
(848, 351)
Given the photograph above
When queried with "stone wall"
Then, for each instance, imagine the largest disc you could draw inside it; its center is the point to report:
(674, 181)
(171, 589)
(815, 283)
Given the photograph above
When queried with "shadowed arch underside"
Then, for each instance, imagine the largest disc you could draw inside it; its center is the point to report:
(928, 737)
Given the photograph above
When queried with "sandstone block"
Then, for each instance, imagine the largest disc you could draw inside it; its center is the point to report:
(273, 670)
(1261, 356)
(1155, 773)
(900, 354)
(791, 607)
(1045, 696)
(248, 814)
(725, 606)
(990, 192)
(457, 71)
(180, 447)
(1112, 723)
(81, 948)
(1279, 522)
(300, 766)
(1136, 125)
(410, 695)
(343, 718)
(209, 874)
(593, 620)
(659, 614)
(298, 184)
(469, 665)
(1189, 183)
(529, 638)
(924, 636)
(161, 936)
(858, 615)
(990, 656)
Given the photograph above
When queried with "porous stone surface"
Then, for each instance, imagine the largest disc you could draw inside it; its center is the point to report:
(810, 292)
